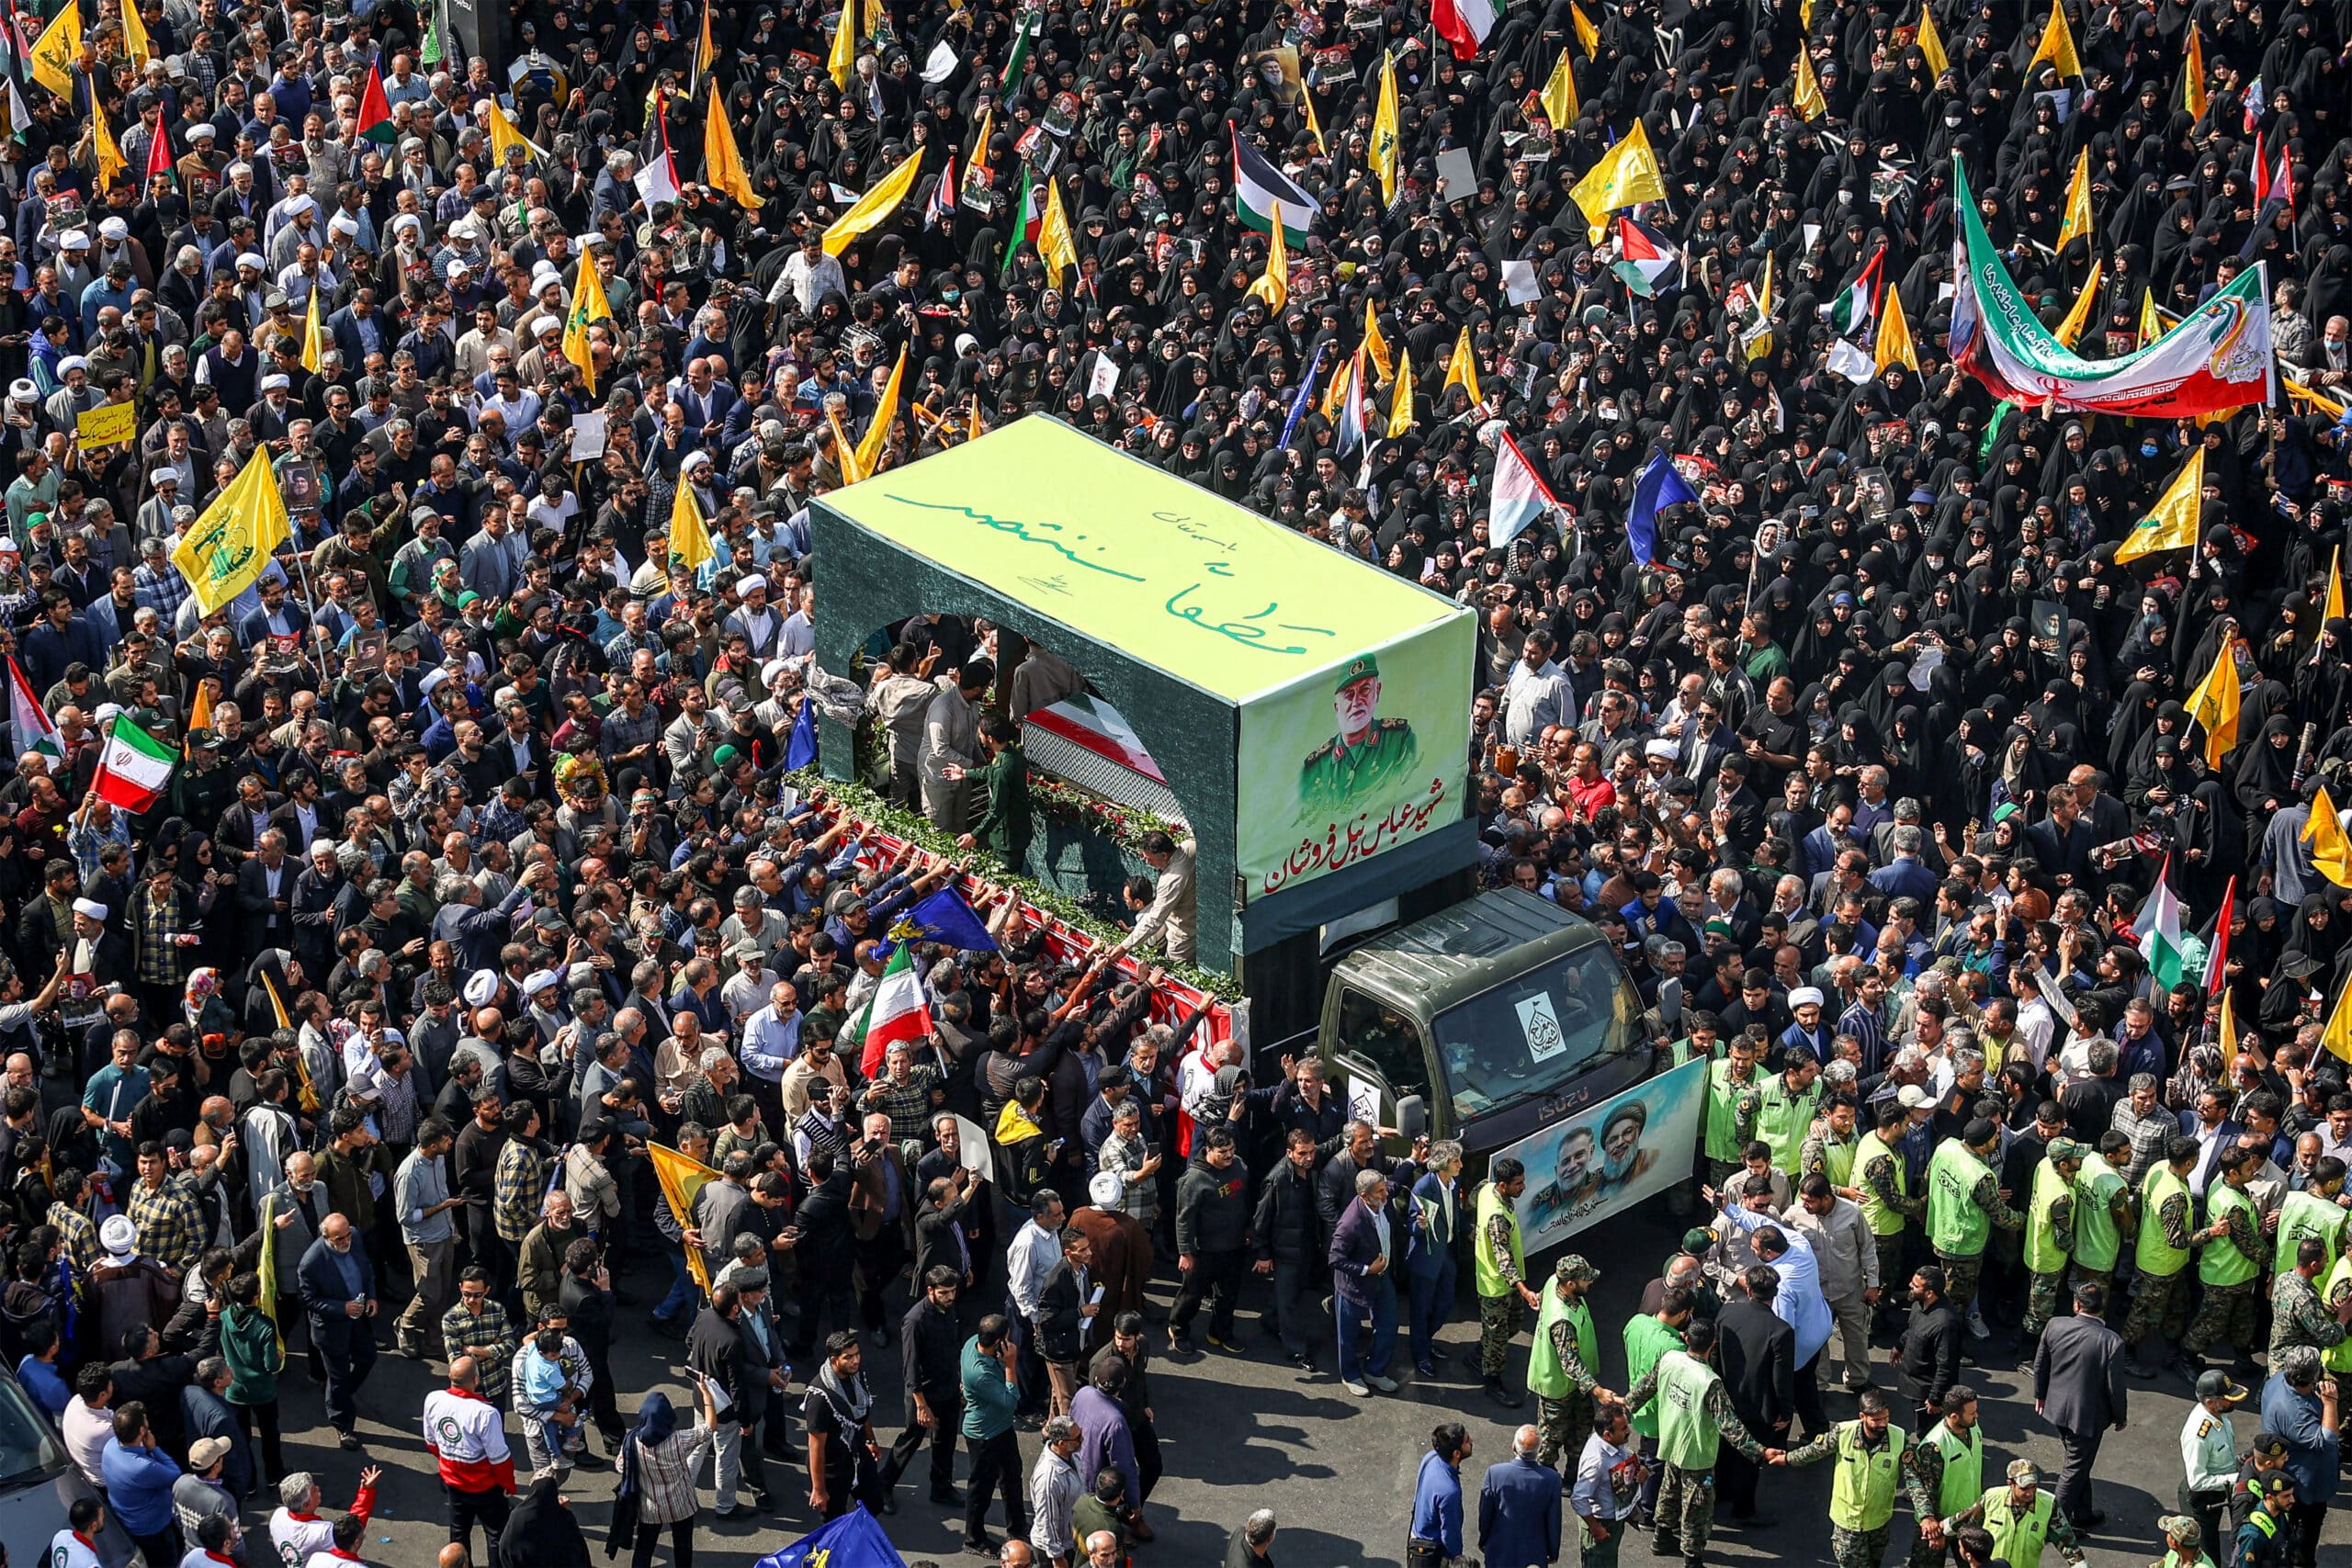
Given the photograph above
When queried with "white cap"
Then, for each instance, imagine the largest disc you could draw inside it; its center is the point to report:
(23, 390)
(749, 583)
(695, 459)
(200, 133)
(114, 228)
(91, 908)
(408, 220)
(74, 240)
(105, 711)
(480, 987)
(274, 380)
(429, 679)
(774, 671)
(158, 476)
(249, 258)
(1804, 996)
(1104, 1189)
(547, 326)
(343, 223)
(301, 203)
(118, 1236)
(72, 362)
(538, 980)
(1911, 1097)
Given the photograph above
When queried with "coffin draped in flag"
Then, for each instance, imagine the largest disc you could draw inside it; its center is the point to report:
(1258, 186)
(1519, 495)
(2218, 357)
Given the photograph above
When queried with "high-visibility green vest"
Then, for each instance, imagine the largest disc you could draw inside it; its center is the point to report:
(1487, 1266)
(1645, 1340)
(1783, 1118)
(1861, 1487)
(1963, 1480)
(1838, 1159)
(2098, 1240)
(2337, 1358)
(2042, 1253)
(1723, 1109)
(1876, 1213)
(2308, 1213)
(2221, 1263)
(1687, 1434)
(2018, 1537)
(1545, 1376)
(2153, 1255)
(1956, 1225)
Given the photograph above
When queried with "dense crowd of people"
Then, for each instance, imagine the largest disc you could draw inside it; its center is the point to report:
(480, 879)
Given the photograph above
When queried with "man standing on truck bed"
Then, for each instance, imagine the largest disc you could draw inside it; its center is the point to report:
(1503, 1293)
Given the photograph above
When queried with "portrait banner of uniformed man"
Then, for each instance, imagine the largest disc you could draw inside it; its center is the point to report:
(1364, 755)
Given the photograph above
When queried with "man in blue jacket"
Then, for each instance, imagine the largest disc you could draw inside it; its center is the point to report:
(1519, 1506)
(338, 1281)
(1436, 1535)
(139, 1484)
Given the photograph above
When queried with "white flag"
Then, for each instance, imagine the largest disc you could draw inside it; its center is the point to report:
(1851, 362)
(941, 63)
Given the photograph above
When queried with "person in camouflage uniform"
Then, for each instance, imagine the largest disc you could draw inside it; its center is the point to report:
(1982, 1194)
(2050, 1232)
(1556, 1361)
(1956, 1430)
(1504, 1296)
(2229, 1265)
(1879, 1189)
(1731, 1082)
(1828, 1148)
(2159, 1311)
(2297, 1316)
(2017, 1499)
(1686, 1496)
(1853, 1546)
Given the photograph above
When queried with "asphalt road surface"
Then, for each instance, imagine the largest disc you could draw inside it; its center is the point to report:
(1240, 1433)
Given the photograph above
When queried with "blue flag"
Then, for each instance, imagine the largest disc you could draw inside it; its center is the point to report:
(800, 749)
(1657, 484)
(947, 917)
(853, 1541)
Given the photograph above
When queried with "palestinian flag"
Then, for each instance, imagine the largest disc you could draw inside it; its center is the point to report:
(2158, 929)
(1648, 260)
(35, 731)
(1258, 186)
(134, 767)
(440, 44)
(1029, 220)
(1856, 306)
(897, 1010)
(657, 172)
(2217, 942)
(159, 152)
(1464, 24)
(376, 110)
(941, 204)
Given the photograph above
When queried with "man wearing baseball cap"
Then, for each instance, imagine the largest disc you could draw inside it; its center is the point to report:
(1561, 1359)
(2023, 1519)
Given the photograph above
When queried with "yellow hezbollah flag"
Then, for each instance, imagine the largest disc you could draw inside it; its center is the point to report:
(1627, 174)
(2214, 704)
(2077, 221)
(2079, 317)
(2229, 1034)
(1340, 386)
(1385, 129)
(1055, 246)
(589, 306)
(2333, 608)
(2153, 324)
(1273, 284)
(2172, 525)
(869, 451)
(683, 1176)
(1462, 368)
(843, 58)
(505, 133)
(313, 337)
(1894, 347)
(722, 163)
(1561, 105)
(134, 35)
(109, 153)
(2338, 1037)
(844, 449)
(1759, 341)
(874, 206)
(2331, 851)
(2192, 75)
(53, 54)
(1377, 345)
(1806, 95)
(689, 539)
(2057, 45)
(1314, 126)
(230, 544)
(1400, 395)
(1931, 42)
(1586, 34)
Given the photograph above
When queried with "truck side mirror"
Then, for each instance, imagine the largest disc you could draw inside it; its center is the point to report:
(1412, 1117)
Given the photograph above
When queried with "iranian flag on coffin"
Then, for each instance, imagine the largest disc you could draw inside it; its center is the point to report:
(134, 767)
(2218, 356)
(896, 1010)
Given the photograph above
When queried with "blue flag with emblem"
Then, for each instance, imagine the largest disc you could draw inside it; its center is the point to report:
(853, 1541)
(1657, 484)
(947, 917)
(801, 747)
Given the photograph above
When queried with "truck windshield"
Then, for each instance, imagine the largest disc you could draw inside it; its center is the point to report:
(1537, 1030)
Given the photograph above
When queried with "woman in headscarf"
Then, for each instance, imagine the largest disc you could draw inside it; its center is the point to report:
(659, 1463)
(2264, 780)
(541, 1532)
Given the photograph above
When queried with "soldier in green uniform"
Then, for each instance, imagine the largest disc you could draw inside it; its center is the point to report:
(2160, 1255)
(1950, 1457)
(1649, 1335)
(2297, 1316)
(1874, 1456)
(1368, 753)
(1963, 1205)
(1778, 1111)
(1561, 1359)
(1496, 1263)
(2103, 1214)
(1704, 1040)
(2314, 1211)
(2229, 1264)
(2022, 1519)
(2184, 1543)
(1695, 1415)
(1882, 1189)
(2267, 1537)
(2336, 1295)
(2049, 1233)
(1729, 1082)
(1829, 1148)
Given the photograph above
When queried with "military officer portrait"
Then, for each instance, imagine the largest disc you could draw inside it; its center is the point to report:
(1368, 753)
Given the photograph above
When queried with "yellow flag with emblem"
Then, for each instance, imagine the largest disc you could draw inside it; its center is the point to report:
(2229, 1032)
(1931, 42)
(225, 551)
(313, 333)
(2085, 303)
(589, 306)
(878, 434)
(1400, 395)
(2338, 1037)
(2214, 704)
(107, 151)
(1587, 33)
(134, 35)
(2057, 45)
(505, 133)
(2171, 525)
(722, 162)
(1462, 368)
(2192, 75)
(1626, 175)
(1386, 130)
(689, 542)
(1056, 247)
(683, 1176)
(1895, 345)
(53, 55)
(2077, 220)
(1273, 284)
(2331, 850)
(1805, 96)
(1561, 105)
(843, 57)
(1375, 344)
(1314, 126)
(871, 210)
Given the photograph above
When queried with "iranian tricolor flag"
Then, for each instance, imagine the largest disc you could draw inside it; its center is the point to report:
(1464, 24)
(1518, 495)
(35, 731)
(134, 767)
(2158, 929)
(1028, 221)
(895, 1011)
